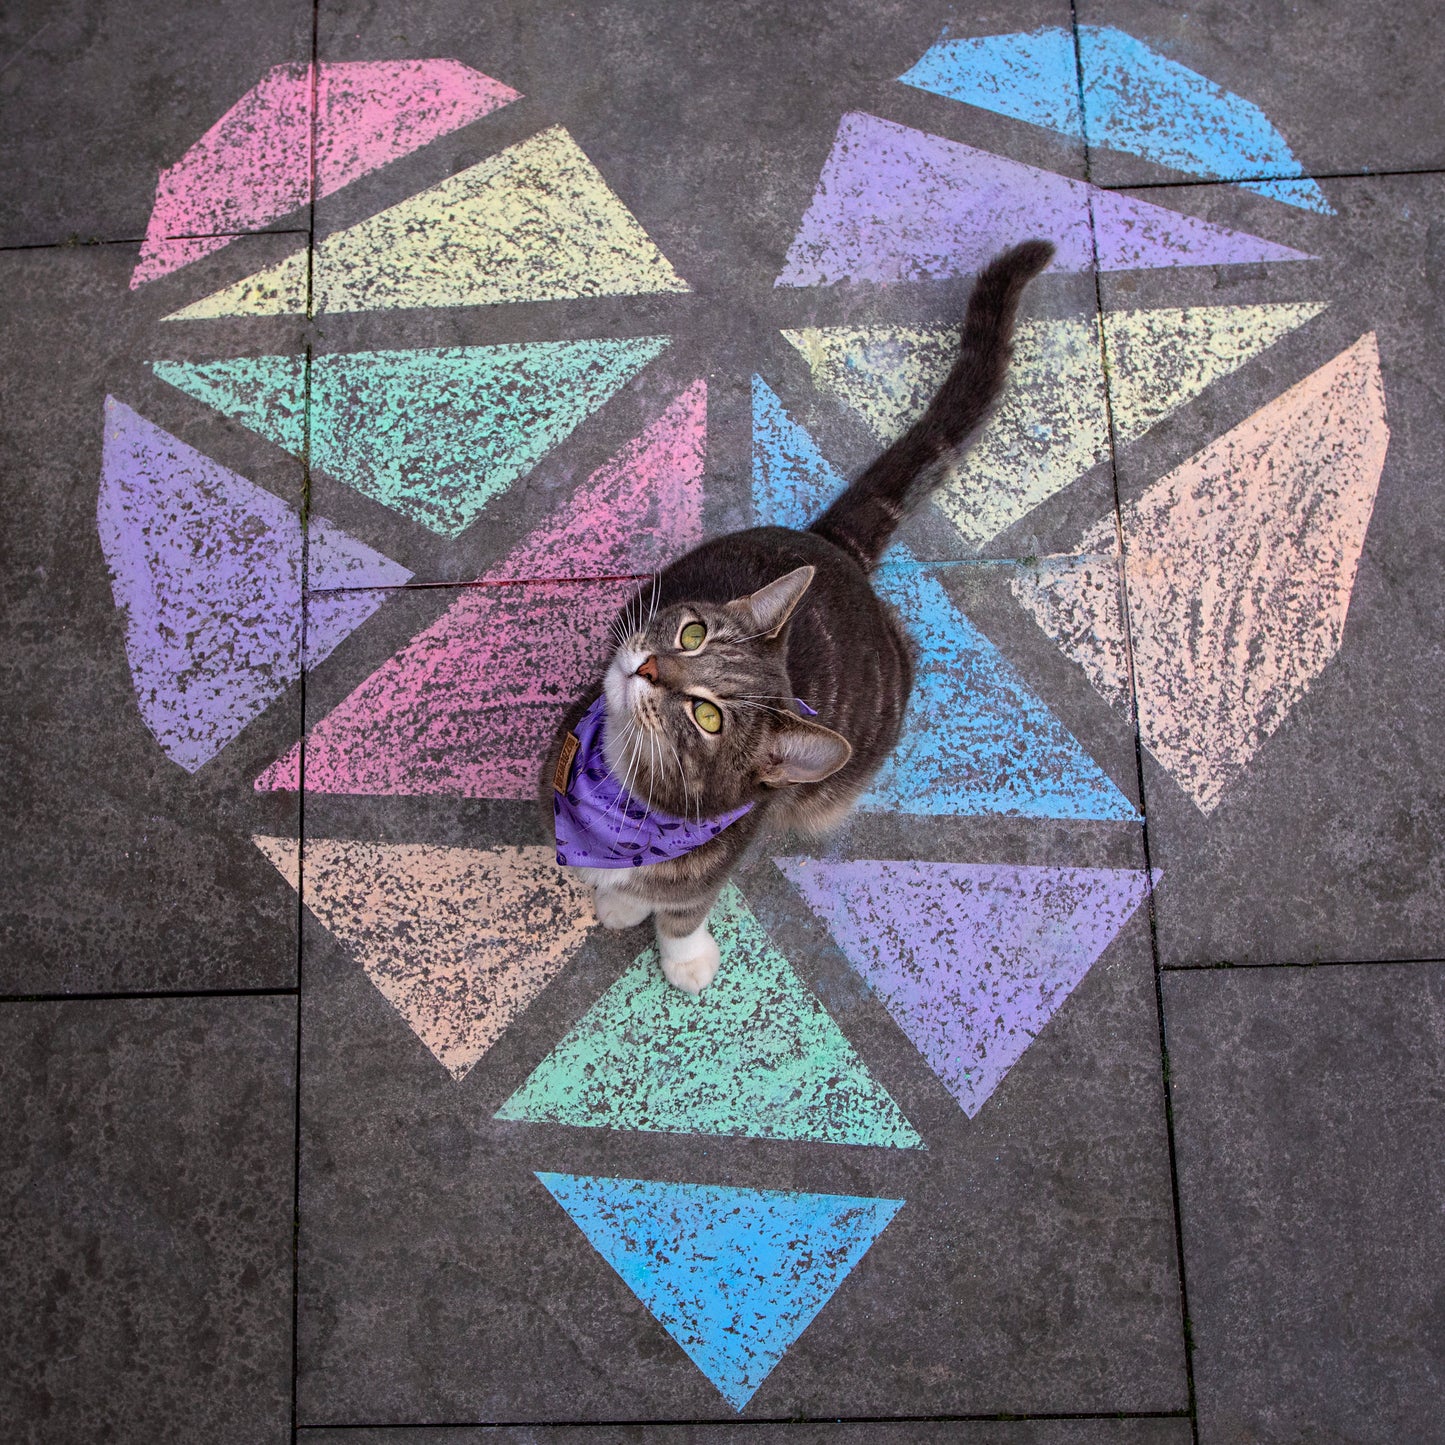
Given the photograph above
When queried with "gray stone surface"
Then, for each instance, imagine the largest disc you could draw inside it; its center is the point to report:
(1309, 1149)
(1327, 847)
(147, 1150)
(125, 871)
(1351, 87)
(96, 100)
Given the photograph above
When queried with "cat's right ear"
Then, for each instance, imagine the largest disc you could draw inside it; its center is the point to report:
(769, 608)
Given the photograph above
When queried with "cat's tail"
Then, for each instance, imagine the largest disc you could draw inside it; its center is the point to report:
(862, 521)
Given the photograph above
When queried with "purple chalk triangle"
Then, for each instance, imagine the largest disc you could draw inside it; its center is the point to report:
(896, 204)
(971, 960)
(206, 567)
(342, 577)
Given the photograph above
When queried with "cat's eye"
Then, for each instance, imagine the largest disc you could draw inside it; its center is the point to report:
(691, 639)
(709, 719)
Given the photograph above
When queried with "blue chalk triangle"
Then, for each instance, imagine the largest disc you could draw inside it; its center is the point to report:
(792, 480)
(733, 1275)
(977, 739)
(1134, 100)
(1032, 77)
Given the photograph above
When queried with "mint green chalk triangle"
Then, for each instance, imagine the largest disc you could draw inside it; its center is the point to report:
(265, 393)
(754, 1055)
(435, 434)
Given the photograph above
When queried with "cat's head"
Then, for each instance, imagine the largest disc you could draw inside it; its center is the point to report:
(700, 716)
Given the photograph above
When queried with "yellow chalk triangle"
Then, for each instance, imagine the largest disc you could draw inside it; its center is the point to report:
(1052, 425)
(535, 222)
(1158, 360)
(458, 940)
(278, 291)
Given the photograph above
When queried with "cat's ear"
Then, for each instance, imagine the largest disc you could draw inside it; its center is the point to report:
(803, 752)
(770, 607)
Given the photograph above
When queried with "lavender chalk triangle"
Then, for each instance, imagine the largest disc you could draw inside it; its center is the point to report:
(896, 204)
(971, 960)
(206, 567)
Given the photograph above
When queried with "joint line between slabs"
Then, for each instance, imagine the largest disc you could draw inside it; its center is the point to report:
(301, 762)
(1121, 576)
(750, 1422)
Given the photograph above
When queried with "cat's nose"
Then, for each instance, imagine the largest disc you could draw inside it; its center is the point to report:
(648, 670)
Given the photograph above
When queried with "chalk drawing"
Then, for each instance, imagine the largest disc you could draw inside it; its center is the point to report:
(792, 480)
(895, 204)
(1239, 566)
(1134, 100)
(469, 707)
(432, 434)
(634, 514)
(971, 960)
(254, 165)
(535, 223)
(1052, 425)
(733, 1275)
(206, 567)
(458, 940)
(977, 740)
(1002, 750)
(1051, 428)
(755, 1055)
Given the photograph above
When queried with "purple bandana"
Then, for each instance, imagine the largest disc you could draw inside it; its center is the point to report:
(599, 825)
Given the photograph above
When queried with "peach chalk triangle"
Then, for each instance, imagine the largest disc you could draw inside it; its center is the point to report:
(1239, 566)
(251, 167)
(634, 514)
(458, 940)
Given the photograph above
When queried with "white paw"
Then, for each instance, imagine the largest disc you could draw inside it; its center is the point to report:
(689, 963)
(619, 910)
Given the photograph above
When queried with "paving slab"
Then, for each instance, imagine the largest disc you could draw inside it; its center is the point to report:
(147, 1251)
(1349, 88)
(924, 1432)
(1292, 814)
(130, 807)
(99, 103)
(1309, 1186)
(446, 958)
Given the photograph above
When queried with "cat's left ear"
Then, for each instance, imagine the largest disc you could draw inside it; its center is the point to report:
(770, 607)
(803, 752)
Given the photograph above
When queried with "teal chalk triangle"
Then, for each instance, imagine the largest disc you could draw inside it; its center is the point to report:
(792, 480)
(733, 1275)
(1030, 76)
(432, 434)
(977, 740)
(265, 393)
(754, 1055)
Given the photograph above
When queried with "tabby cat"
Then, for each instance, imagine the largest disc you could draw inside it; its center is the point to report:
(759, 682)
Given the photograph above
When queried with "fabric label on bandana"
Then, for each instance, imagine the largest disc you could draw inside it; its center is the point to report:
(599, 825)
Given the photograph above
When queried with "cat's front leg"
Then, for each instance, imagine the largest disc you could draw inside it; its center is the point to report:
(616, 905)
(690, 955)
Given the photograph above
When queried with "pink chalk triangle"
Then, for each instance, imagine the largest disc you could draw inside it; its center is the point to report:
(252, 166)
(634, 514)
(469, 706)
